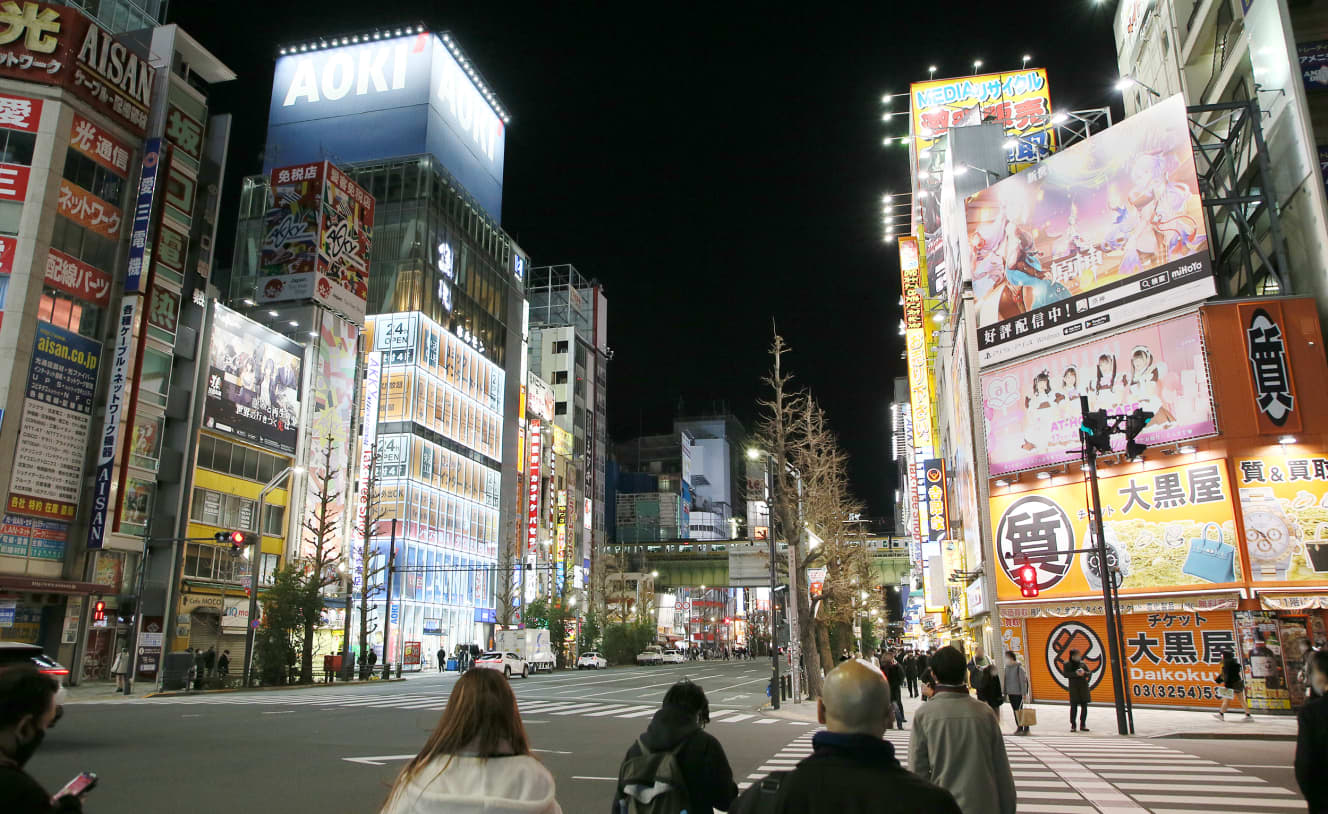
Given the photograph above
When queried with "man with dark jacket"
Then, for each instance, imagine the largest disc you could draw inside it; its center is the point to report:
(852, 770)
(911, 674)
(1076, 676)
(894, 674)
(679, 724)
(27, 711)
(1312, 737)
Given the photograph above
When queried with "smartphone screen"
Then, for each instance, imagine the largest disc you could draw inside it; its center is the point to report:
(77, 786)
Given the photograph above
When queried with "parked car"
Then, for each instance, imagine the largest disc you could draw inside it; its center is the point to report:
(651, 655)
(591, 661)
(12, 653)
(509, 663)
(672, 657)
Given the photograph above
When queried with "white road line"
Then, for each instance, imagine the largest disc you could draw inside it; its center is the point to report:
(736, 718)
(1166, 798)
(1204, 790)
(642, 714)
(1038, 808)
(573, 710)
(617, 709)
(614, 779)
(1181, 778)
(766, 721)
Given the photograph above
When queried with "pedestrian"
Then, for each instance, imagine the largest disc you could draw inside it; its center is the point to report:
(911, 674)
(1234, 683)
(922, 663)
(224, 664)
(894, 674)
(200, 668)
(120, 669)
(1312, 737)
(928, 680)
(676, 757)
(991, 692)
(210, 660)
(956, 743)
(373, 659)
(977, 669)
(477, 759)
(442, 659)
(852, 768)
(1016, 685)
(1076, 673)
(27, 710)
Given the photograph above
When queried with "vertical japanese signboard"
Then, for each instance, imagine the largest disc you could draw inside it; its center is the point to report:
(933, 483)
(535, 446)
(333, 391)
(57, 413)
(136, 276)
(115, 408)
(373, 376)
(1165, 528)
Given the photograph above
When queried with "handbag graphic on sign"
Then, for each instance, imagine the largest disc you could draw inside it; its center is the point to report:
(1212, 560)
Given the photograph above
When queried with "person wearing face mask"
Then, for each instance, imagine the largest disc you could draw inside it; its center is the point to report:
(1312, 737)
(27, 709)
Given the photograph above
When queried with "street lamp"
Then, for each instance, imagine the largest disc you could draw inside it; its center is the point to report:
(755, 454)
(1127, 81)
(255, 565)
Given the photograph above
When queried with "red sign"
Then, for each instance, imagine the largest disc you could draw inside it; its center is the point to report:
(535, 444)
(54, 45)
(19, 113)
(7, 252)
(73, 277)
(84, 208)
(164, 310)
(13, 182)
(95, 143)
(37, 507)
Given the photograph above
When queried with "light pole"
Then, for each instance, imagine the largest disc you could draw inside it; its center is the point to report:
(755, 454)
(256, 565)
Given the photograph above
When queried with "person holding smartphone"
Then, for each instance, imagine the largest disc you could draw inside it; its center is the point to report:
(27, 710)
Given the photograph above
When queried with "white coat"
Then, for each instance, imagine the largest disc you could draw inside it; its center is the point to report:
(470, 785)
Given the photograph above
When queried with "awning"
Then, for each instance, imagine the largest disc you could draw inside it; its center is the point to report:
(1157, 603)
(52, 586)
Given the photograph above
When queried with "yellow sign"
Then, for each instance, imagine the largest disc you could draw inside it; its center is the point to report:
(562, 441)
(1164, 528)
(1020, 100)
(1284, 504)
(919, 390)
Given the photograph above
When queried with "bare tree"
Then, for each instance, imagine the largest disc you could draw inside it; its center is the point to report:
(367, 566)
(507, 579)
(318, 557)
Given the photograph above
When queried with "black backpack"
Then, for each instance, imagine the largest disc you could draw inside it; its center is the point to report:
(652, 782)
(761, 797)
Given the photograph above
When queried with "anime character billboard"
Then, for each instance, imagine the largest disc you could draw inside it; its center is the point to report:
(1104, 233)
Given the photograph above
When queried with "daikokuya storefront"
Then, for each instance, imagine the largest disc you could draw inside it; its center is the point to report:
(1219, 544)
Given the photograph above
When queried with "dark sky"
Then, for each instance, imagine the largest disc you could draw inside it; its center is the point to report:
(714, 169)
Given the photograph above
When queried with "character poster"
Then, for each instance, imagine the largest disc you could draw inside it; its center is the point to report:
(253, 388)
(1103, 233)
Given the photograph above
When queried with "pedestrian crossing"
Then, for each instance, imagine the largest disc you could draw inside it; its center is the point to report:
(432, 701)
(1078, 775)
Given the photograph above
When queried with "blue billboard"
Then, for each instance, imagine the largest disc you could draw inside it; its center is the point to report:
(387, 98)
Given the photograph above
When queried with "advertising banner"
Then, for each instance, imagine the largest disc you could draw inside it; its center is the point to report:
(344, 239)
(1269, 365)
(1172, 658)
(20, 113)
(910, 275)
(535, 445)
(540, 398)
(34, 537)
(115, 406)
(332, 410)
(135, 279)
(88, 211)
(100, 146)
(1284, 506)
(51, 44)
(934, 485)
(560, 535)
(1020, 100)
(373, 375)
(1032, 409)
(253, 390)
(78, 279)
(1103, 233)
(288, 257)
(1165, 528)
(57, 411)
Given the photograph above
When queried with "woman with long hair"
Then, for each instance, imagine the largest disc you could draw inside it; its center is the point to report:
(477, 759)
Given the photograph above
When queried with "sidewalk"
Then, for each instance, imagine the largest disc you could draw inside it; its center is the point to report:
(1148, 722)
(102, 691)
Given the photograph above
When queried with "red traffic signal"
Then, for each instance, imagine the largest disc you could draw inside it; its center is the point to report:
(1026, 575)
(235, 538)
(99, 612)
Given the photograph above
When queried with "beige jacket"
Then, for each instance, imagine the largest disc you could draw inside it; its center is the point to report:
(472, 785)
(957, 744)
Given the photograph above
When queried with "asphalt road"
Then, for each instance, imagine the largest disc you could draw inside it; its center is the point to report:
(332, 749)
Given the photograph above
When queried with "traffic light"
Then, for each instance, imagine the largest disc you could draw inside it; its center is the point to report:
(1026, 576)
(1096, 430)
(1134, 424)
(236, 539)
(99, 613)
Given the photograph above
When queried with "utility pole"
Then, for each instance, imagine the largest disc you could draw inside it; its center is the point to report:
(774, 579)
(387, 606)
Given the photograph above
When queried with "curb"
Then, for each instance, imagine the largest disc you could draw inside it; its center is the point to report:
(1222, 736)
(314, 685)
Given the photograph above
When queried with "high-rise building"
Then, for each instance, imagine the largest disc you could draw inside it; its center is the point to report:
(717, 482)
(119, 16)
(112, 167)
(442, 299)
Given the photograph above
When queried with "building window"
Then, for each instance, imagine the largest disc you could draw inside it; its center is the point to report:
(560, 377)
(80, 243)
(223, 511)
(16, 147)
(237, 460)
(560, 408)
(560, 347)
(63, 311)
(93, 177)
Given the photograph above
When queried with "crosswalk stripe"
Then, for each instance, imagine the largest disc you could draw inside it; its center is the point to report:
(642, 714)
(766, 721)
(1257, 786)
(1165, 798)
(575, 708)
(619, 709)
(736, 718)
(1187, 778)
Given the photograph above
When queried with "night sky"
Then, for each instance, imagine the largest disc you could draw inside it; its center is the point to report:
(714, 169)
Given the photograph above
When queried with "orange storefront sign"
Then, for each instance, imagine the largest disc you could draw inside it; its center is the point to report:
(89, 211)
(1165, 528)
(1171, 658)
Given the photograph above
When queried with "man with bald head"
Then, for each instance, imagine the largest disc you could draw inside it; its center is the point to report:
(852, 770)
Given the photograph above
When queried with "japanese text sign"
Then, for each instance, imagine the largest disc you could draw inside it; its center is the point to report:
(135, 278)
(1269, 367)
(20, 113)
(1103, 233)
(115, 407)
(89, 211)
(1284, 506)
(1164, 527)
(935, 487)
(910, 274)
(78, 279)
(533, 484)
(1032, 408)
(100, 146)
(1020, 100)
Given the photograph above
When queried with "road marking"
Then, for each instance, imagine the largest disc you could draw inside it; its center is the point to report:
(641, 714)
(619, 709)
(1257, 786)
(281, 712)
(736, 718)
(1166, 798)
(195, 715)
(376, 760)
(551, 751)
(1262, 766)
(575, 708)
(584, 777)
(766, 721)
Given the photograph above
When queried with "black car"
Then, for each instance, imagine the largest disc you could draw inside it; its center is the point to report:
(12, 653)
